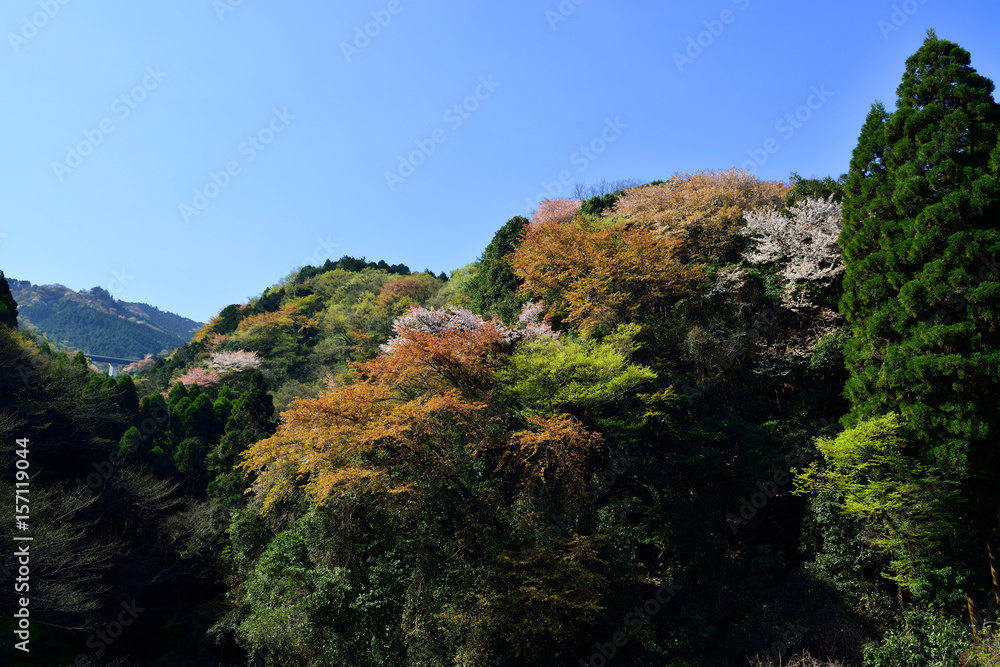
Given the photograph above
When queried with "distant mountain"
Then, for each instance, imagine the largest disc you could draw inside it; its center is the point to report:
(97, 323)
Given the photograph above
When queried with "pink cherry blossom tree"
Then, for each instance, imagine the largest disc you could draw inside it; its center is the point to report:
(555, 210)
(199, 376)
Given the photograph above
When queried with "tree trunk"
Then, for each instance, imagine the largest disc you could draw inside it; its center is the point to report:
(991, 546)
(973, 600)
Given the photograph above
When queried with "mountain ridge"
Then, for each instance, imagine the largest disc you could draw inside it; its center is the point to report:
(95, 322)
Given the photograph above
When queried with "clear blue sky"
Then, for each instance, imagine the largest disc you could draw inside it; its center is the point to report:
(198, 80)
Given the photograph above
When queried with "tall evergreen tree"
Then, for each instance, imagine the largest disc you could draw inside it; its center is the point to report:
(494, 288)
(868, 217)
(922, 294)
(8, 307)
(251, 419)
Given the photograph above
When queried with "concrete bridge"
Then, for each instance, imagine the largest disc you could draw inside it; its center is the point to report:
(112, 362)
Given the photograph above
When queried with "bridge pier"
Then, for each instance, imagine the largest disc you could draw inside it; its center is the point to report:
(114, 363)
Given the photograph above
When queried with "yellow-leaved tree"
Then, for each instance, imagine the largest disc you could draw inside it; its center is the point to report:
(597, 273)
(703, 212)
(423, 426)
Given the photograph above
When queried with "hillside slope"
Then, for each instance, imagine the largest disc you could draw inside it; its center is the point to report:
(97, 323)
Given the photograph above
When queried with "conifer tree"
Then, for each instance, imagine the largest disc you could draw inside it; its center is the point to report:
(922, 294)
(250, 420)
(867, 217)
(8, 307)
(494, 288)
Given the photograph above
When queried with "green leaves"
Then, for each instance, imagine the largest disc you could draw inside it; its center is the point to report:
(295, 603)
(553, 376)
(909, 507)
(920, 211)
(494, 288)
(8, 307)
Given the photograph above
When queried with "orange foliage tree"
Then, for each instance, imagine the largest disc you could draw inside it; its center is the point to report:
(414, 415)
(416, 288)
(398, 425)
(704, 211)
(598, 273)
(291, 315)
(424, 419)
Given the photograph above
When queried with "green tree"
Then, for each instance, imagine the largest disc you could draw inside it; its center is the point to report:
(921, 291)
(494, 288)
(297, 608)
(189, 457)
(547, 377)
(127, 395)
(250, 419)
(867, 216)
(8, 307)
(198, 419)
(599, 204)
(177, 393)
(815, 188)
(873, 480)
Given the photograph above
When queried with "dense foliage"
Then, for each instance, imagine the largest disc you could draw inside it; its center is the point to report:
(707, 421)
(8, 307)
(922, 298)
(97, 323)
(494, 288)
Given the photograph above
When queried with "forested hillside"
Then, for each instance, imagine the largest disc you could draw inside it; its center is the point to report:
(97, 323)
(706, 421)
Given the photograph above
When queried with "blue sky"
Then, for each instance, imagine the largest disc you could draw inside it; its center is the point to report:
(189, 154)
